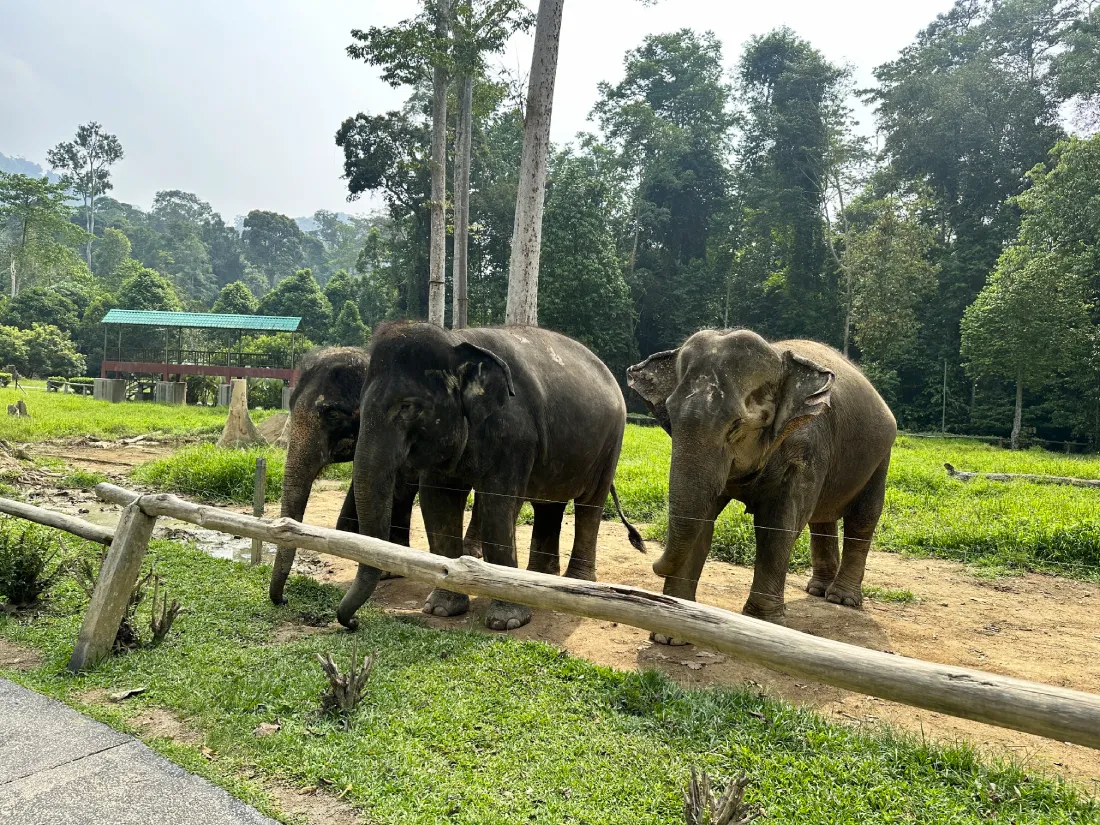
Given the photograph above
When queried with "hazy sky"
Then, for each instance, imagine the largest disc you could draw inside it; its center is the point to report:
(238, 100)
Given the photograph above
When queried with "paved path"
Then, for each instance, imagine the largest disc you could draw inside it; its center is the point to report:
(58, 767)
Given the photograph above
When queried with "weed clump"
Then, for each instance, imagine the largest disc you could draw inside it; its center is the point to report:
(30, 562)
(212, 473)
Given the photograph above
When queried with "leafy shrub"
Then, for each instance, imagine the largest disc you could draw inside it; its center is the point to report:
(5, 379)
(83, 381)
(265, 393)
(214, 473)
(29, 563)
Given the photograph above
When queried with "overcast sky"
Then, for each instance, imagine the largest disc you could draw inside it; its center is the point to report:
(238, 100)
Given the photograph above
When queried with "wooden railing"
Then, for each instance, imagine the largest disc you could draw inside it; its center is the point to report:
(1058, 713)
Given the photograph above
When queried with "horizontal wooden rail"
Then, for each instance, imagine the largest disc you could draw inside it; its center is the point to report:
(1065, 715)
(50, 518)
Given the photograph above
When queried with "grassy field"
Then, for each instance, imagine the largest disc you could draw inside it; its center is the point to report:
(471, 728)
(1002, 526)
(56, 415)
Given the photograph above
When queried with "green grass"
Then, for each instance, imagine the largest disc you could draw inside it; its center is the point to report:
(211, 473)
(57, 415)
(886, 594)
(1002, 526)
(82, 479)
(474, 728)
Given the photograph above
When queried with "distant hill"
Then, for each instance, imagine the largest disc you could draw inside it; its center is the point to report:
(22, 166)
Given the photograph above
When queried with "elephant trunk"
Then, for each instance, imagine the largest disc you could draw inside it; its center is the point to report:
(696, 480)
(377, 460)
(304, 461)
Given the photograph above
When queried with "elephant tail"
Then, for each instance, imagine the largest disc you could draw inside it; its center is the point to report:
(635, 537)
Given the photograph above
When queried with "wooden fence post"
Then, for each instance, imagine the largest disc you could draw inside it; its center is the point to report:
(112, 592)
(259, 496)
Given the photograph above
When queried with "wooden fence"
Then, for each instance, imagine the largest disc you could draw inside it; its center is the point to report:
(1058, 713)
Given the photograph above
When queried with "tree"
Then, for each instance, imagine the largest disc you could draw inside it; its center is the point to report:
(889, 278)
(300, 296)
(405, 53)
(1023, 324)
(39, 306)
(86, 164)
(13, 349)
(671, 123)
(341, 288)
(112, 251)
(274, 244)
(523, 268)
(348, 330)
(235, 299)
(480, 27)
(181, 217)
(34, 217)
(582, 291)
(50, 351)
(144, 288)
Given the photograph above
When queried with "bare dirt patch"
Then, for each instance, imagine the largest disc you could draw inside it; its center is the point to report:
(1042, 628)
(108, 457)
(292, 632)
(314, 806)
(158, 723)
(14, 657)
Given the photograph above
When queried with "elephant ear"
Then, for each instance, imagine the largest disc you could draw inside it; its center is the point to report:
(482, 374)
(654, 380)
(805, 393)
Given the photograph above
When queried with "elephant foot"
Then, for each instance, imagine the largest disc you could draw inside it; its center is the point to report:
(471, 548)
(386, 574)
(844, 595)
(662, 639)
(774, 614)
(583, 572)
(506, 616)
(444, 603)
(818, 585)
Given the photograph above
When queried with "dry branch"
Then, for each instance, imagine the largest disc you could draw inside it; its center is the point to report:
(1038, 479)
(1057, 713)
(163, 615)
(345, 689)
(702, 807)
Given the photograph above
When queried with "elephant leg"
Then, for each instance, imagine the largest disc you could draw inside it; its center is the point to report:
(860, 521)
(471, 545)
(824, 556)
(582, 561)
(443, 510)
(545, 537)
(404, 497)
(348, 521)
(777, 526)
(498, 537)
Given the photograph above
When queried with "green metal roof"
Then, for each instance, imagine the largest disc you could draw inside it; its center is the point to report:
(201, 320)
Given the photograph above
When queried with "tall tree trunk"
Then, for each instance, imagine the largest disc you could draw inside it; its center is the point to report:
(523, 269)
(91, 229)
(463, 152)
(437, 255)
(1018, 419)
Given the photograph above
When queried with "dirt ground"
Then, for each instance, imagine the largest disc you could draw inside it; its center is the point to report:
(1035, 627)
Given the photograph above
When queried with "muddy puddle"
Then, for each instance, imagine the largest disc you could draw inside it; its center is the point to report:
(85, 505)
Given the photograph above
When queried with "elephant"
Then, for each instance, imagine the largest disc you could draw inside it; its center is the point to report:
(514, 413)
(324, 429)
(795, 432)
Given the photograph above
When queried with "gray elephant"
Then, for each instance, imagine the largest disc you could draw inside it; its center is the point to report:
(513, 413)
(324, 429)
(795, 432)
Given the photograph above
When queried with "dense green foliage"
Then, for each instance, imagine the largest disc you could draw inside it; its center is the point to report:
(470, 727)
(210, 473)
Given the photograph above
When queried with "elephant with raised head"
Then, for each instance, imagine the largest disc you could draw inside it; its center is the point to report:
(513, 413)
(324, 429)
(791, 429)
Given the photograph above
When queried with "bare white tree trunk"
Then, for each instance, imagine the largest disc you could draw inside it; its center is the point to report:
(1018, 418)
(437, 255)
(523, 269)
(463, 152)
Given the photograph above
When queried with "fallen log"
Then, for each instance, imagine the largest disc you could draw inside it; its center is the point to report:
(50, 518)
(1057, 713)
(1037, 479)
